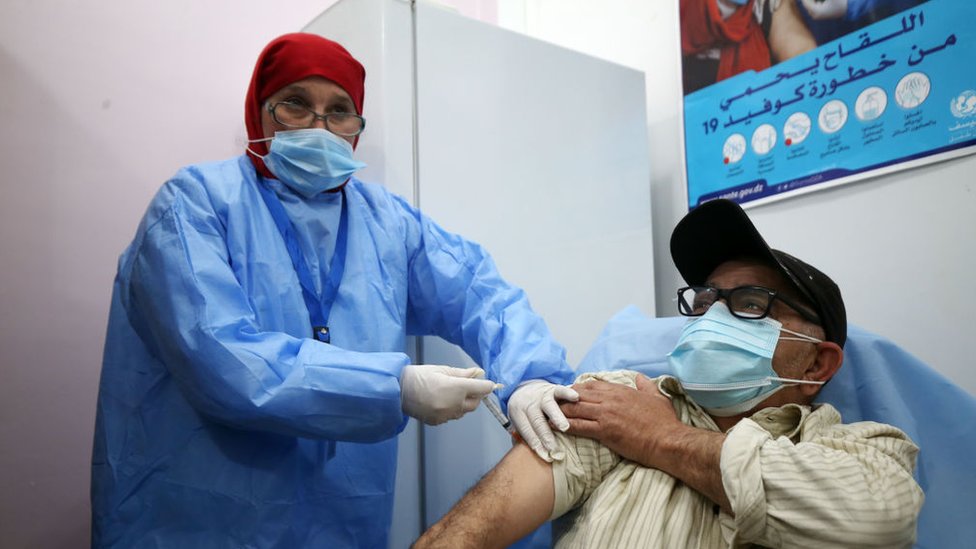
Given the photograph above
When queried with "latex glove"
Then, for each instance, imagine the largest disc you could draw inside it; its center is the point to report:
(532, 407)
(826, 9)
(435, 394)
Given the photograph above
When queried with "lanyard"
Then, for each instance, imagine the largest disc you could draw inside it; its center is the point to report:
(318, 309)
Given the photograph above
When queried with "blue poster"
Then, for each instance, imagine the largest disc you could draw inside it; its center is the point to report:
(889, 95)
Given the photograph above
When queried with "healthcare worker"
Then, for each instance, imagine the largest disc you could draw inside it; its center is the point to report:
(254, 379)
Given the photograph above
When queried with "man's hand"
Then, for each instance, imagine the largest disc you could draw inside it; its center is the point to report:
(630, 422)
(641, 425)
(532, 407)
(435, 394)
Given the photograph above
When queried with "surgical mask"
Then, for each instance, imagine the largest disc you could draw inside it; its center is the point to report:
(725, 363)
(309, 161)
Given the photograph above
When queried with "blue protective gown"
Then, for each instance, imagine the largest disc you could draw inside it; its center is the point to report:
(221, 423)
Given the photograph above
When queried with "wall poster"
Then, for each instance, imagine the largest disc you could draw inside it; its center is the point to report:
(865, 87)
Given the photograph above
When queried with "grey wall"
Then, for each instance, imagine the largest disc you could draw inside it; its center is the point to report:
(903, 250)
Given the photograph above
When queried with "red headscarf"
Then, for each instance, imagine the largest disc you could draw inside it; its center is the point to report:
(290, 58)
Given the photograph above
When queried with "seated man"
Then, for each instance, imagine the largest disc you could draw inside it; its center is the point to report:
(730, 451)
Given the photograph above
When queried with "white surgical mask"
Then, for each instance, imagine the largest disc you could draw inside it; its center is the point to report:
(309, 161)
(725, 363)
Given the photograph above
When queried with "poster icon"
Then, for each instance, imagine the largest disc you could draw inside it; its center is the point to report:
(796, 128)
(912, 90)
(764, 139)
(833, 116)
(734, 148)
(870, 104)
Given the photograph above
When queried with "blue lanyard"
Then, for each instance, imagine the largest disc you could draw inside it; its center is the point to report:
(318, 309)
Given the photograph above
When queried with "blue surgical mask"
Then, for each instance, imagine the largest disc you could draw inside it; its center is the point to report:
(309, 161)
(725, 363)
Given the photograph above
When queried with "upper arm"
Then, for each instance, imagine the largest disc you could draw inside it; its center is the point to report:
(511, 501)
(788, 33)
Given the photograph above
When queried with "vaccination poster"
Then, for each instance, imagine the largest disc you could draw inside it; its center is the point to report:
(865, 87)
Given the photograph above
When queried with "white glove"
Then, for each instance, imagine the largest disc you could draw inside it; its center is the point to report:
(528, 407)
(435, 394)
(825, 9)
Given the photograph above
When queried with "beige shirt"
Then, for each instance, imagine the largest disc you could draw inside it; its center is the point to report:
(795, 477)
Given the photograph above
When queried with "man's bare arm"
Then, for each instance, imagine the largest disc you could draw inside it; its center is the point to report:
(511, 501)
(693, 456)
(641, 426)
(788, 32)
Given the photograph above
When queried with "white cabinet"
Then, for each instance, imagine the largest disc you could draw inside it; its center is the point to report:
(535, 151)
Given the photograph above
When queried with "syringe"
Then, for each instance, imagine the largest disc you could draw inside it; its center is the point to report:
(496, 410)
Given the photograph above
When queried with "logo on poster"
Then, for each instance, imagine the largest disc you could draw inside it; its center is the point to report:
(964, 104)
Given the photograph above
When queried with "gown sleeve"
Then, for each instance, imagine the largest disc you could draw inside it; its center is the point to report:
(457, 293)
(191, 311)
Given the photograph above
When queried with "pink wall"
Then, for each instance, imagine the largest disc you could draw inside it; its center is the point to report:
(483, 10)
(101, 103)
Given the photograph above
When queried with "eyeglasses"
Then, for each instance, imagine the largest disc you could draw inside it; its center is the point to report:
(748, 302)
(295, 115)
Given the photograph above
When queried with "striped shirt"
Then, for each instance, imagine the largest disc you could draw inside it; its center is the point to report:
(795, 477)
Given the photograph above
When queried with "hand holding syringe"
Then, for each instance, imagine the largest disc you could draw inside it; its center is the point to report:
(495, 408)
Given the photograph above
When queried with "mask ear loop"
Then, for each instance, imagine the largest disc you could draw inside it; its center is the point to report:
(263, 139)
(790, 381)
(800, 337)
(266, 106)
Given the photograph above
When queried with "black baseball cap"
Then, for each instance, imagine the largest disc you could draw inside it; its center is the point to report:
(720, 231)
